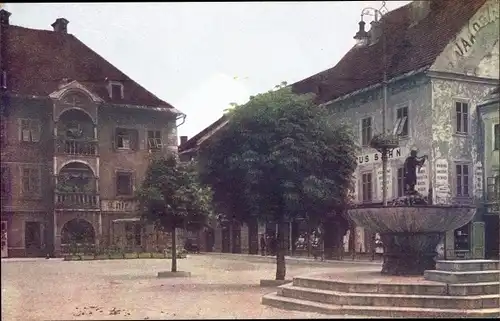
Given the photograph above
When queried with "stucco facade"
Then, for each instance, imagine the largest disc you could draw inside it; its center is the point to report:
(443, 122)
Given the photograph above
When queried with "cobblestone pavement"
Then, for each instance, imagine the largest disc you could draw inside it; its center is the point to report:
(39, 289)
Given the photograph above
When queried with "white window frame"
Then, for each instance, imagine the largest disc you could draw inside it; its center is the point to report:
(456, 178)
(362, 189)
(110, 89)
(124, 135)
(154, 143)
(29, 130)
(456, 117)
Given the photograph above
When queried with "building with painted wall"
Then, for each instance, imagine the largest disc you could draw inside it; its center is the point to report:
(442, 61)
(77, 134)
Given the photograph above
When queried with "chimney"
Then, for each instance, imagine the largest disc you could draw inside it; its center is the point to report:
(61, 25)
(4, 17)
(375, 31)
(419, 10)
(184, 139)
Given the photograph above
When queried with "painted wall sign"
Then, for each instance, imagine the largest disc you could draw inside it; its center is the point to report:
(478, 180)
(486, 15)
(423, 180)
(380, 181)
(442, 188)
(119, 206)
(377, 157)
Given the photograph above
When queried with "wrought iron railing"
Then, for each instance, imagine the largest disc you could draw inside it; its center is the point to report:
(77, 147)
(77, 200)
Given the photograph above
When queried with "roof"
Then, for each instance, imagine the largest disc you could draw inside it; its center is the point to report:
(37, 61)
(197, 139)
(409, 48)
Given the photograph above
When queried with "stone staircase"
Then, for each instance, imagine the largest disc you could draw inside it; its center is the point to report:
(456, 289)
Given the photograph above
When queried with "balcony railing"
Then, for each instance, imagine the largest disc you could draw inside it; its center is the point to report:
(77, 200)
(76, 147)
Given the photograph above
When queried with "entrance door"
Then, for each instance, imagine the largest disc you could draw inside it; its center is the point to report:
(33, 238)
(4, 239)
(492, 237)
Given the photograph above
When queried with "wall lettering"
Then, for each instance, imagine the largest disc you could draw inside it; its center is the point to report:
(377, 157)
(119, 206)
(481, 19)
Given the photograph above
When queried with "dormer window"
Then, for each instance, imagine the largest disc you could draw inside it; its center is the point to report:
(115, 90)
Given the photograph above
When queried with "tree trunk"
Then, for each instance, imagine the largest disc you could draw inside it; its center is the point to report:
(174, 251)
(280, 253)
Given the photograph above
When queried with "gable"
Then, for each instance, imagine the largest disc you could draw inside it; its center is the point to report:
(474, 50)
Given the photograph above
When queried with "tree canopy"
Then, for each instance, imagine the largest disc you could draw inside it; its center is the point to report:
(172, 196)
(279, 157)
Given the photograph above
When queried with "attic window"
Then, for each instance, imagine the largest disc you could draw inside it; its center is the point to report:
(115, 90)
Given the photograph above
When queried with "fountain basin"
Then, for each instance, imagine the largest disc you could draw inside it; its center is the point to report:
(410, 234)
(417, 219)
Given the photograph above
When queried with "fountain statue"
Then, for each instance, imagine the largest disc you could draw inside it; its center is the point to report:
(410, 227)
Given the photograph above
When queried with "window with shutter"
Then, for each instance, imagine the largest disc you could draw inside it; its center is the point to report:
(366, 131)
(401, 128)
(30, 130)
(154, 140)
(124, 184)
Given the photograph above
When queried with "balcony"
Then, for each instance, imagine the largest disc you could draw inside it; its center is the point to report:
(75, 200)
(76, 147)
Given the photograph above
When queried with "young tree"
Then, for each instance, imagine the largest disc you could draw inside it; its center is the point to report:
(172, 197)
(280, 157)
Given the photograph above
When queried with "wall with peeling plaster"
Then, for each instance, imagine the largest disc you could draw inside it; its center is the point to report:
(452, 147)
(414, 93)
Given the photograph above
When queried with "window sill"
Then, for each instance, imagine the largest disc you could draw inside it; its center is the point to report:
(125, 197)
(462, 135)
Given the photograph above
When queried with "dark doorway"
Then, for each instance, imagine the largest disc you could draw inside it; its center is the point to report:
(33, 239)
(236, 241)
(491, 236)
(253, 237)
(209, 239)
(226, 239)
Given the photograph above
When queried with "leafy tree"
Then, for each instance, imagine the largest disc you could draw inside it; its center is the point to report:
(280, 157)
(171, 196)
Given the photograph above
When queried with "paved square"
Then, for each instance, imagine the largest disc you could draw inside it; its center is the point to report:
(39, 289)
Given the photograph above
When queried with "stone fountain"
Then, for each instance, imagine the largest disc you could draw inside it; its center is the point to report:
(410, 226)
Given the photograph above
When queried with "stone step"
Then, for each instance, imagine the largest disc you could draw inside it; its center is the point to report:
(274, 300)
(474, 288)
(400, 300)
(356, 287)
(462, 277)
(467, 265)
(388, 288)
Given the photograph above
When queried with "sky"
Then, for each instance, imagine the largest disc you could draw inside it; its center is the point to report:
(200, 57)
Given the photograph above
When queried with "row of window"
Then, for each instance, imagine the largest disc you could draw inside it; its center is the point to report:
(31, 182)
(401, 125)
(462, 183)
(124, 138)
